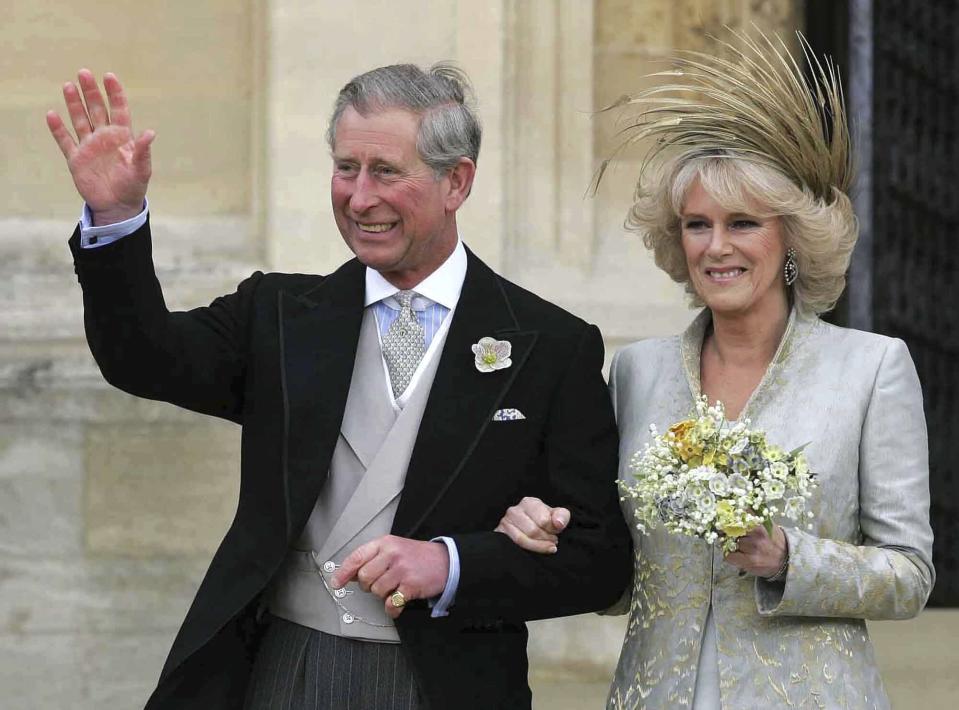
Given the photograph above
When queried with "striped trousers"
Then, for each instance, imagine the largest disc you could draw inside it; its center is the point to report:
(299, 668)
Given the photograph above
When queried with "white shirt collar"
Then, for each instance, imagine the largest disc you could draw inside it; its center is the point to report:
(443, 286)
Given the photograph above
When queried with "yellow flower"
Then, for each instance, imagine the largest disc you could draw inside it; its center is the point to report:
(681, 429)
(715, 457)
(687, 452)
(726, 520)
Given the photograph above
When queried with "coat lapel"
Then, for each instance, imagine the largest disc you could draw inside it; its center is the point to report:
(319, 332)
(462, 400)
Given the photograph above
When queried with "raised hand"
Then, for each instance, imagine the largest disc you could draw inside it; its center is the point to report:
(109, 164)
(534, 526)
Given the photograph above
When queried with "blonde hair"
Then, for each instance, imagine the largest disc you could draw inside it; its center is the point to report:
(822, 232)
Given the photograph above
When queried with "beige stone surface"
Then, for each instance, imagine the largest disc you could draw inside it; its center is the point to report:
(41, 484)
(187, 67)
(160, 489)
(73, 593)
(80, 671)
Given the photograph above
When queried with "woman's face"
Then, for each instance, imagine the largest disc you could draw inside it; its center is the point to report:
(735, 259)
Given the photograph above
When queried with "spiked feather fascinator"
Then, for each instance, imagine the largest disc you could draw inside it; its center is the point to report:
(757, 105)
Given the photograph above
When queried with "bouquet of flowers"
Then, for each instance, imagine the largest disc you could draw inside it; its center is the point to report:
(716, 481)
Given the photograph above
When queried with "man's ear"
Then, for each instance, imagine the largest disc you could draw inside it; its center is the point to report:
(461, 182)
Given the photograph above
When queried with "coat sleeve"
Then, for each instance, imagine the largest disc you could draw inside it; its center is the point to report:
(889, 575)
(194, 359)
(622, 605)
(500, 580)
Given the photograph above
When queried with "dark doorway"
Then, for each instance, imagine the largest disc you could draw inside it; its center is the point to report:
(909, 279)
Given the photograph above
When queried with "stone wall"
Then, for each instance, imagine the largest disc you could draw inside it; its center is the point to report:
(110, 506)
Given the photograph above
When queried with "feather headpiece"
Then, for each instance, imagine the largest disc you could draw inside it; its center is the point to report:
(759, 105)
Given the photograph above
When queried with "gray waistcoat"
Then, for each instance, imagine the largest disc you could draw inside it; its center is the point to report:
(358, 501)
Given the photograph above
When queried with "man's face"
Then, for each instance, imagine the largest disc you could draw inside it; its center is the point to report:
(391, 210)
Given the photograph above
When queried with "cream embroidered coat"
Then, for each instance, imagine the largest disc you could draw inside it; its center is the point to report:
(855, 398)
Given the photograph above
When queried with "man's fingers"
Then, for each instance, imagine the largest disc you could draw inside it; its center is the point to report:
(353, 562)
(372, 571)
(385, 584)
(119, 109)
(141, 153)
(394, 611)
(96, 109)
(61, 135)
(77, 111)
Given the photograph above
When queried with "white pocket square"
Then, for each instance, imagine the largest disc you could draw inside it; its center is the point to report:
(508, 415)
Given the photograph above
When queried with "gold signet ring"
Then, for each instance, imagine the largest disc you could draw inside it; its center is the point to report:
(397, 599)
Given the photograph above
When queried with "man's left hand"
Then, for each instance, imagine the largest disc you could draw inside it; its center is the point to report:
(388, 564)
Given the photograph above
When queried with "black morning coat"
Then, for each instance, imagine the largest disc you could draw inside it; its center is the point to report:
(276, 357)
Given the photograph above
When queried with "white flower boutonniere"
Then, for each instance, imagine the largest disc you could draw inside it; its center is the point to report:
(492, 354)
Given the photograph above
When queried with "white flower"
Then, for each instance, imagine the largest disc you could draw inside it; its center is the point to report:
(696, 489)
(737, 448)
(738, 484)
(795, 506)
(774, 490)
(779, 470)
(719, 484)
(492, 354)
(802, 467)
(706, 502)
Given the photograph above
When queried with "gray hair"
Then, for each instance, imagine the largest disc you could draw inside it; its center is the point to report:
(823, 232)
(441, 96)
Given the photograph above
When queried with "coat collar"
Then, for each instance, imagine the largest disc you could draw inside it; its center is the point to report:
(691, 346)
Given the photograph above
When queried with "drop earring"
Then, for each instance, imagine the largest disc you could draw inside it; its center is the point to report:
(790, 268)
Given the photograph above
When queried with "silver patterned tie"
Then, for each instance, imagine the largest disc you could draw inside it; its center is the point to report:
(404, 344)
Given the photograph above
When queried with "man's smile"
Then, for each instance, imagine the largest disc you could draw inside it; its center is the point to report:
(376, 227)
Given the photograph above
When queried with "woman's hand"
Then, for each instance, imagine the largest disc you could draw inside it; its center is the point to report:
(110, 165)
(758, 553)
(534, 526)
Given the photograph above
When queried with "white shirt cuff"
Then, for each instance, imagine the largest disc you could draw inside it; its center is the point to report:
(440, 607)
(92, 237)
